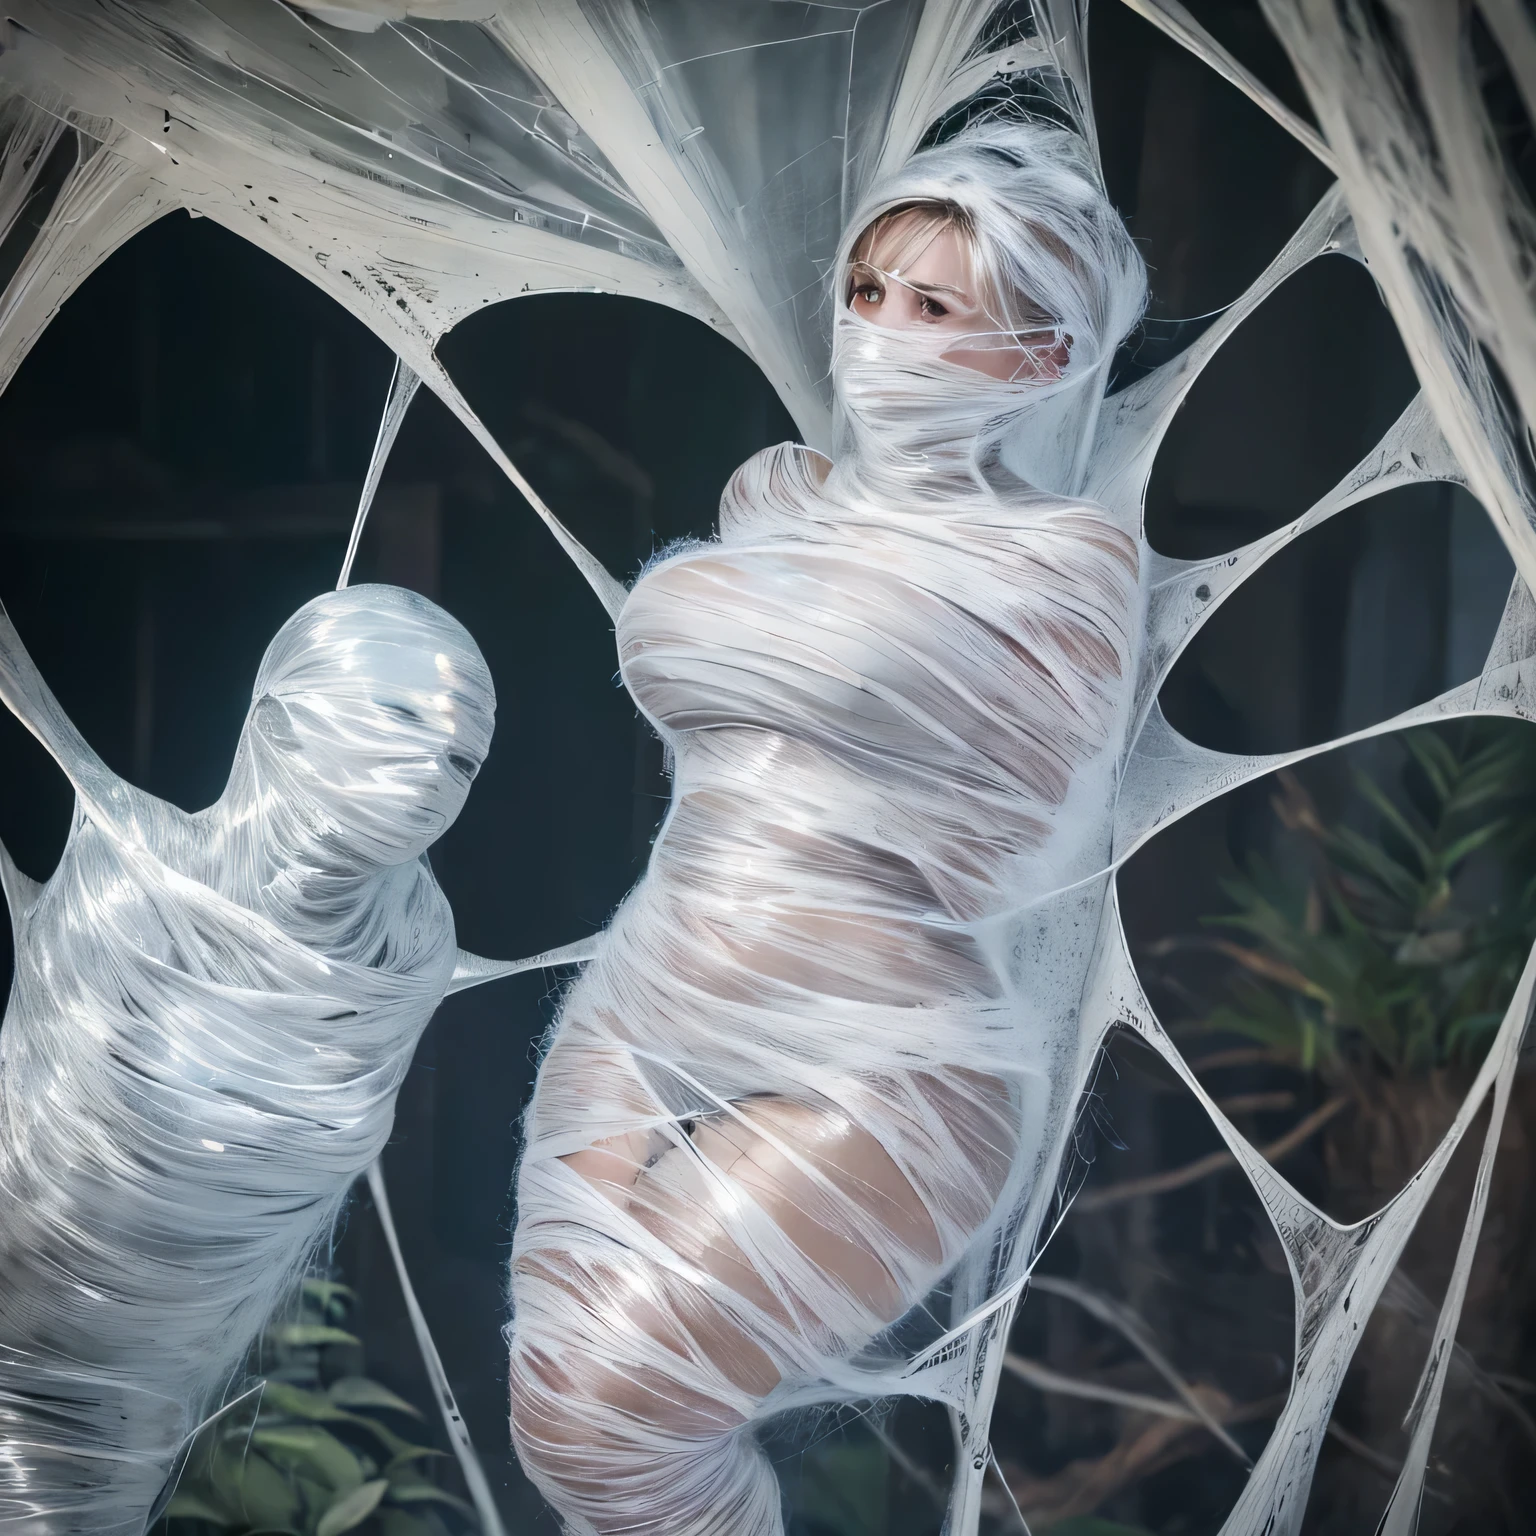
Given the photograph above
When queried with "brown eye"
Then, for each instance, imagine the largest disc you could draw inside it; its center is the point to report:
(932, 309)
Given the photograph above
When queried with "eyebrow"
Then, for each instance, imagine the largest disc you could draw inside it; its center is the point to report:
(862, 267)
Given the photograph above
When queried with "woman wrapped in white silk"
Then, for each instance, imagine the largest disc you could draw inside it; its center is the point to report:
(791, 1090)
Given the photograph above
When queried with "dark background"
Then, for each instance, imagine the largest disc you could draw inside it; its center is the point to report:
(182, 454)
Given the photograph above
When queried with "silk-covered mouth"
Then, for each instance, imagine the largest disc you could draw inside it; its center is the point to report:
(902, 394)
(914, 420)
(988, 335)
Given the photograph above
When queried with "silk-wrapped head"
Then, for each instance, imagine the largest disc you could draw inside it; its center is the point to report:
(371, 715)
(1055, 280)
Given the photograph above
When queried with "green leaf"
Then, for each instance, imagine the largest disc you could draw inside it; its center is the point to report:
(1437, 760)
(1394, 879)
(317, 1407)
(1474, 840)
(308, 1447)
(300, 1403)
(316, 1495)
(393, 1444)
(1394, 818)
(1466, 1032)
(400, 1522)
(189, 1505)
(307, 1335)
(360, 1392)
(352, 1510)
(245, 1481)
(427, 1493)
(404, 1464)
(326, 1291)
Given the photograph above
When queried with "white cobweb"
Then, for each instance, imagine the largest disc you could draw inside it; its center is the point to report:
(419, 161)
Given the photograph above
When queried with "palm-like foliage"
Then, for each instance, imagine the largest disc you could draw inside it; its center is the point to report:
(1395, 950)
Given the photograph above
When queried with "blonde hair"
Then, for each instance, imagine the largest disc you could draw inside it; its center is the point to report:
(902, 233)
(891, 242)
(1045, 242)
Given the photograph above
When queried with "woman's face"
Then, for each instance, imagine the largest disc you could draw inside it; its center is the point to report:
(935, 289)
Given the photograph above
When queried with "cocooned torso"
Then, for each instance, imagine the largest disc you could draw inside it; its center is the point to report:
(881, 724)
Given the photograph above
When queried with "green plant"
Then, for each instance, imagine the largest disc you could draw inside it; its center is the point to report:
(328, 1450)
(1397, 950)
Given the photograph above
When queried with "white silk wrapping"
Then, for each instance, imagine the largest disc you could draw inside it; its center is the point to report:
(210, 1018)
(895, 693)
